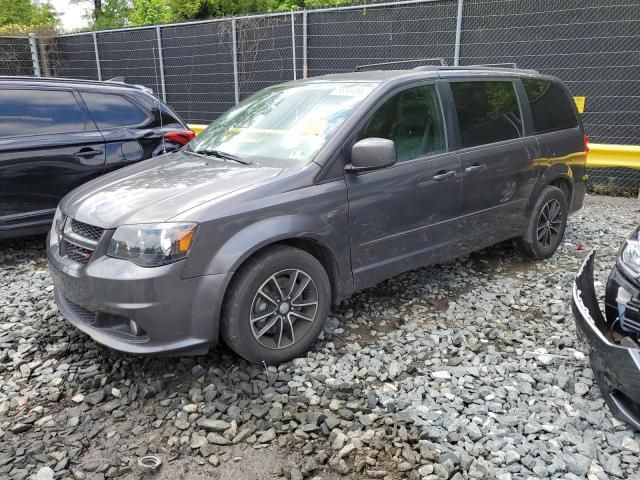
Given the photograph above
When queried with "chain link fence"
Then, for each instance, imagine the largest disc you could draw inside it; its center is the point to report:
(15, 56)
(203, 68)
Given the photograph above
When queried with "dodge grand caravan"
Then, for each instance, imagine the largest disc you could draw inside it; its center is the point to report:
(308, 191)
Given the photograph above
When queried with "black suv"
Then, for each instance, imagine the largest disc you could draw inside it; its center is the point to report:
(56, 134)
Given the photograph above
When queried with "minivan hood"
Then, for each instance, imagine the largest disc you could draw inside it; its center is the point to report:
(158, 189)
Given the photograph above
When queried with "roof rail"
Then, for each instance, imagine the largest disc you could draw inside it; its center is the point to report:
(122, 81)
(501, 65)
(361, 68)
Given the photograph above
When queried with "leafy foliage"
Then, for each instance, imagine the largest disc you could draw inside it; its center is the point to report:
(17, 13)
(119, 13)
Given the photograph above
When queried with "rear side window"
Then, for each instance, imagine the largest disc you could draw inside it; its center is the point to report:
(413, 120)
(551, 106)
(110, 110)
(488, 112)
(33, 112)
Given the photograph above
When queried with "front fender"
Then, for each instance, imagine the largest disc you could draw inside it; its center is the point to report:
(258, 235)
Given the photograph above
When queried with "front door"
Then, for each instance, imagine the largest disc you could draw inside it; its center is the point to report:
(404, 216)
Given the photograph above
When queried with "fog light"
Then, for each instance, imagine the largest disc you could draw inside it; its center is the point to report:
(135, 329)
(622, 299)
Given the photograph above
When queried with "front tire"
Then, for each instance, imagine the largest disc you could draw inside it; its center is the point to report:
(276, 305)
(546, 226)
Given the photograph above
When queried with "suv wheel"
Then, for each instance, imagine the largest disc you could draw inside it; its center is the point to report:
(546, 225)
(276, 306)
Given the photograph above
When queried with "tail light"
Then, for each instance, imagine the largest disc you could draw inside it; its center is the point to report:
(181, 138)
(586, 144)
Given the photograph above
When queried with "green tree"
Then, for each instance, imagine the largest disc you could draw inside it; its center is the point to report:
(112, 14)
(149, 12)
(27, 13)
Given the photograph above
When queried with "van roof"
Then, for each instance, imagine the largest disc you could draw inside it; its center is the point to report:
(431, 71)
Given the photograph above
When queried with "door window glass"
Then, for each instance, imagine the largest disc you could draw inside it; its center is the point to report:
(33, 112)
(413, 120)
(487, 112)
(109, 110)
(551, 106)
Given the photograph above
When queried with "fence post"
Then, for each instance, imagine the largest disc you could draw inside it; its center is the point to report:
(95, 49)
(304, 44)
(234, 42)
(34, 54)
(456, 55)
(161, 64)
(293, 45)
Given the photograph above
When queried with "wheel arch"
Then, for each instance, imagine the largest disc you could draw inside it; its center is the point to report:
(559, 175)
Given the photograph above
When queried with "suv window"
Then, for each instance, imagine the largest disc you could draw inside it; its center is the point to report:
(551, 107)
(33, 112)
(112, 110)
(413, 120)
(488, 112)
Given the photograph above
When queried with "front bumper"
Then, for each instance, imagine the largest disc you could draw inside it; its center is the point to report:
(103, 296)
(616, 367)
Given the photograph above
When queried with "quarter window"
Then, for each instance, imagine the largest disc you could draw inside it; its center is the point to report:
(109, 110)
(413, 120)
(551, 106)
(487, 112)
(33, 112)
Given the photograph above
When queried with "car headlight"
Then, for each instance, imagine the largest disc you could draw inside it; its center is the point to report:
(151, 245)
(58, 221)
(631, 256)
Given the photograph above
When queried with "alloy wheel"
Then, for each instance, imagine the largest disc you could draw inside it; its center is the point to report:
(549, 223)
(284, 308)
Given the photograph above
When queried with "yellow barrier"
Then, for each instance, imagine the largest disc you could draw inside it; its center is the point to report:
(197, 128)
(605, 156)
(600, 155)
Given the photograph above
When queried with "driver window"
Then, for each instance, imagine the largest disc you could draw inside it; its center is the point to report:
(413, 120)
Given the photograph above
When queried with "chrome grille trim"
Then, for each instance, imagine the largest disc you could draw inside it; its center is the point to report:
(85, 230)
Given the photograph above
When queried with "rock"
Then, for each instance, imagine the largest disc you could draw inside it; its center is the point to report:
(267, 436)
(19, 428)
(45, 473)
(94, 398)
(217, 439)
(214, 425)
(181, 424)
(198, 441)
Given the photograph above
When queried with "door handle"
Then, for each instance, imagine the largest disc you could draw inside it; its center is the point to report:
(444, 174)
(475, 168)
(88, 153)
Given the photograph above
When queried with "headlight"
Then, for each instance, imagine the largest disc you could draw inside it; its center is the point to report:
(631, 256)
(151, 245)
(58, 221)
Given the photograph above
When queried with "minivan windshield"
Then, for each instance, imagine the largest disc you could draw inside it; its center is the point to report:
(281, 126)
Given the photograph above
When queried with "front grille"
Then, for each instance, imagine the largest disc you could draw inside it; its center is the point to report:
(86, 316)
(76, 253)
(85, 230)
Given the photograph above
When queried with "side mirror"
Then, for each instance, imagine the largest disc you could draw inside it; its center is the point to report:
(371, 154)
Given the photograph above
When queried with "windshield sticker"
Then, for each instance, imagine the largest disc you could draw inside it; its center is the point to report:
(351, 91)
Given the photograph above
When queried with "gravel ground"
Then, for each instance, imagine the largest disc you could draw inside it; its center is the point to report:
(469, 369)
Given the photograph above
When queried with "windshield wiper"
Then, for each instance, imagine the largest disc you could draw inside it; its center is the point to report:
(222, 155)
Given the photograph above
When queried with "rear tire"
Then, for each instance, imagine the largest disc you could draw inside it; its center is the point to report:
(276, 305)
(546, 226)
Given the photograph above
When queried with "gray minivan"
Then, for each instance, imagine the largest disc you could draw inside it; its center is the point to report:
(308, 191)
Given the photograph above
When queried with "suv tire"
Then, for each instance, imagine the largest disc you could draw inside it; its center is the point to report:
(276, 305)
(546, 226)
